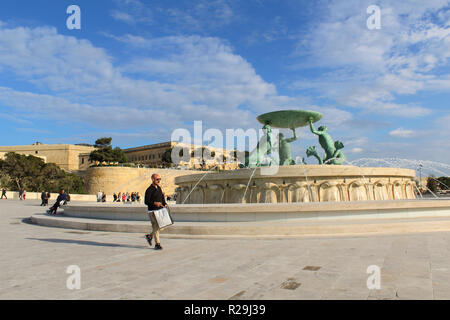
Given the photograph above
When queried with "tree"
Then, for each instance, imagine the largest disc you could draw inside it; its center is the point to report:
(105, 152)
(166, 157)
(432, 184)
(445, 183)
(103, 142)
(33, 174)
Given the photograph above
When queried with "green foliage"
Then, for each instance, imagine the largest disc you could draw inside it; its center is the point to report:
(106, 153)
(103, 142)
(445, 183)
(33, 174)
(167, 156)
(432, 184)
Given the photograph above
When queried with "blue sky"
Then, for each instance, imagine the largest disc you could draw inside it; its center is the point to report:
(139, 69)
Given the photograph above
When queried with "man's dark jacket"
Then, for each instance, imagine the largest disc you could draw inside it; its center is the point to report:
(154, 194)
(61, 197)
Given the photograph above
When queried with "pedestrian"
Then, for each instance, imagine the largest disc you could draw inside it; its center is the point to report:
(20, 194)
(104, 197)
(43, 198)
(154, 199)
(24, 194)
(60, 201)
(115, 197)
(124, 197)
(99, 196)
(48, 197)
(4, 193)
(138, 197)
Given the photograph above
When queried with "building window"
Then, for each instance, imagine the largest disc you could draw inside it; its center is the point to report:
(82, 160)
(36, 152)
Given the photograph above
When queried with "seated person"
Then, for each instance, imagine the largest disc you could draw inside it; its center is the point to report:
(60, 201)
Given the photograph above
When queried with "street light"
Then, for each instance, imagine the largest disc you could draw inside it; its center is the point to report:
(420, 174)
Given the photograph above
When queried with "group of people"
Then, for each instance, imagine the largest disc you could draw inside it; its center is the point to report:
(101, 196)
(22, 194)
(127, 197)
(154, 199)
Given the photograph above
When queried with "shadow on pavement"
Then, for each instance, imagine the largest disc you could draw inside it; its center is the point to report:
(89, 243)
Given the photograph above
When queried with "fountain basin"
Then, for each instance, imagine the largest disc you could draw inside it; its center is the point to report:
(298, 183)
(301, 212)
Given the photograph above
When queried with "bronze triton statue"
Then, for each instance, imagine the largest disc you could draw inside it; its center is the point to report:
(333, 153)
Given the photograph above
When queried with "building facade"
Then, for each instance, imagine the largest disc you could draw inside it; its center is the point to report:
(156, 155)
(66, 156)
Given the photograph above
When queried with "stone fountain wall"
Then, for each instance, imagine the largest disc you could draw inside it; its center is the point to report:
(309, 183)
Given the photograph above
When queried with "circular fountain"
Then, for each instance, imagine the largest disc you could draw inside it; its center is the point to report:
(271, 195)
(297, 184)
(281, 181)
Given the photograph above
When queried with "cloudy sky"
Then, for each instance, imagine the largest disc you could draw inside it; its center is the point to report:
(138, 69)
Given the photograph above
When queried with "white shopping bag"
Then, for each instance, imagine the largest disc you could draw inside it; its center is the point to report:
(163, 217)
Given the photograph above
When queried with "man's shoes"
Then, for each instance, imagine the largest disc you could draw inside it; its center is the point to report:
(149, 238)
(158, 247)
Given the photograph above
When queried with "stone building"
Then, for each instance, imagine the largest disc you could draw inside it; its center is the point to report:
(153, 155)
(66, 156)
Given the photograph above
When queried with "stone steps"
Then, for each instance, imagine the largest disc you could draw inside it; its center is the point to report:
(264, 230)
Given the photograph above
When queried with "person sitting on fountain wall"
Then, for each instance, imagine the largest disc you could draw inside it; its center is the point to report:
(155, 200)
(61, 200)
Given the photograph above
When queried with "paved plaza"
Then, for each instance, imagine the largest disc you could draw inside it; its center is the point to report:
(122, 266)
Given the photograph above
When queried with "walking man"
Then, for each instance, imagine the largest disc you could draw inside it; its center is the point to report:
(4, 193)
(44, 198)
(154, 199)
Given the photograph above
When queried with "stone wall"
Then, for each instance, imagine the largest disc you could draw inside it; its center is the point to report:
(37, 196)
(123, 179)
(311, 183)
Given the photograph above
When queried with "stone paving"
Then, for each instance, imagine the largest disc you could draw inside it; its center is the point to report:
(34, 260)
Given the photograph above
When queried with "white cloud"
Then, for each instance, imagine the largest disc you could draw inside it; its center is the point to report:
(356, 150)
(402, 133)
(196, 78)
(132, 12)
(369, 69)
(122, 16)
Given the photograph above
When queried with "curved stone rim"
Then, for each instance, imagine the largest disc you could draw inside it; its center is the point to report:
(312, 171)
(288, 119)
